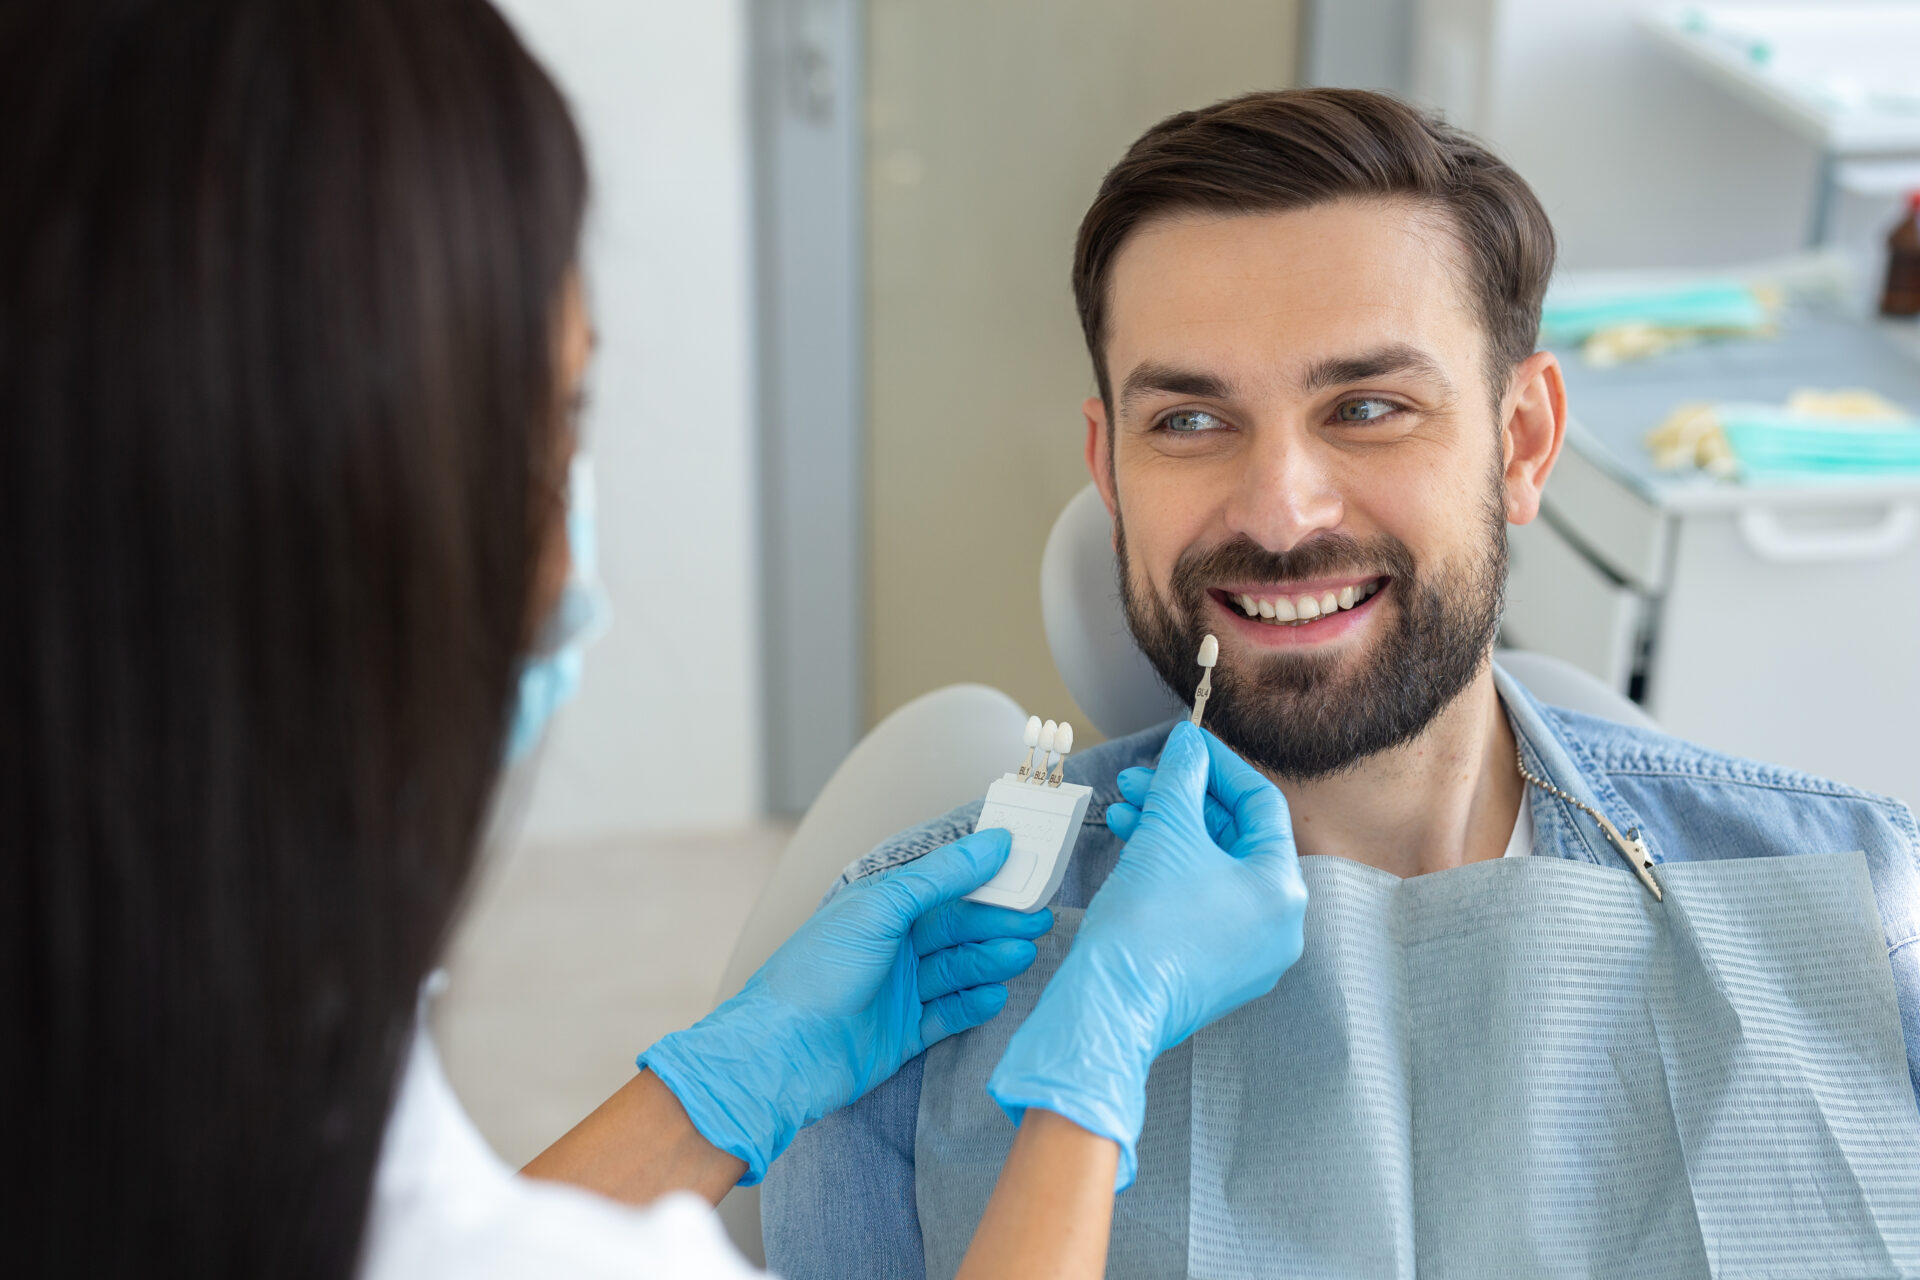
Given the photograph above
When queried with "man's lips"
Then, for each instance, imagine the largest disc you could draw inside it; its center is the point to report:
(1297, 604)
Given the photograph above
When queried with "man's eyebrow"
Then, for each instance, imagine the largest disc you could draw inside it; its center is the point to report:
(1170, 380)
(1399, 358)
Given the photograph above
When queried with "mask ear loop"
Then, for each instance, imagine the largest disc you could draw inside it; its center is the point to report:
(583, 612)
(549, 675)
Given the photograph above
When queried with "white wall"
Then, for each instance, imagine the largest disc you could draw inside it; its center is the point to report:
(665, 731)
(1638, 161)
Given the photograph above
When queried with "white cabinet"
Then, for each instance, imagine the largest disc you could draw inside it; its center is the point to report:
(1781, 623)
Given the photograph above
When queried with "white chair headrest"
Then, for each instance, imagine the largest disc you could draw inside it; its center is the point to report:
(1087, 632)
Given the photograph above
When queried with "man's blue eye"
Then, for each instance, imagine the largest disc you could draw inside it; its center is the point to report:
(1190, 421)
(1364, 410)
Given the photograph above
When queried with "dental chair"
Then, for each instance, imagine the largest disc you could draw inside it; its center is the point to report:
(943, 749)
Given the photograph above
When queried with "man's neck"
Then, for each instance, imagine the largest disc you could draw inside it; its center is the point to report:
(1446, 798)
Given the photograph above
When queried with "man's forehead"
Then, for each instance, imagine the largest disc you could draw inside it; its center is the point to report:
(1288, 292)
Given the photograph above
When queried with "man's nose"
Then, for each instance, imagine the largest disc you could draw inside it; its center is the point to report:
(1285, 495)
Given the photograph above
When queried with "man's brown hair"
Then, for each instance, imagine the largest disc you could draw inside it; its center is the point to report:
(1278, 150)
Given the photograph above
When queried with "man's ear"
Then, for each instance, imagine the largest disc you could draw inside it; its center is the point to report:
(1531, 436)
(1100, 450)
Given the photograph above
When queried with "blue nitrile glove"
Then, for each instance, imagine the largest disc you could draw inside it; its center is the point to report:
(1134, 785)
(891, 965)
(1183, 931)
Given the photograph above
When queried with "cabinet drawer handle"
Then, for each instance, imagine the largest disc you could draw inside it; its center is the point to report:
(1770, 539)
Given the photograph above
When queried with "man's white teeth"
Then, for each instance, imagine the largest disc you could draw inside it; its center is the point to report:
(1307, 607)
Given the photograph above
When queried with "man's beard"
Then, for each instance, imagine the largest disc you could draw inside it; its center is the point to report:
(1290, 712)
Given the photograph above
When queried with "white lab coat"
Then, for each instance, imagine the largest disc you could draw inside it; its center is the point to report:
(445, 1205)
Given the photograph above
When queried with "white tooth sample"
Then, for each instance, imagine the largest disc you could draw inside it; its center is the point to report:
(1266, 608)
(1307, 607)
(1250, 605)
(1283, 610)
(1346, 597)
(1329, 603)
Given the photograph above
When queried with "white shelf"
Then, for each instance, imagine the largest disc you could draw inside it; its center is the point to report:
(1844, 76)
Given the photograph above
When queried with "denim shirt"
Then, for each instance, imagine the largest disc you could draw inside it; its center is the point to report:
(845, 1189)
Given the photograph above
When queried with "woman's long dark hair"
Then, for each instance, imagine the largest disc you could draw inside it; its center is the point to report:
(278, 411)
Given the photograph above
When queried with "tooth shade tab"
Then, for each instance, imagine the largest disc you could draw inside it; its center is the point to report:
(1209, 655)
(1032, 736)
(1048, 732)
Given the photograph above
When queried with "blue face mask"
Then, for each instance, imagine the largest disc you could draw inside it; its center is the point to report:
(551, 673)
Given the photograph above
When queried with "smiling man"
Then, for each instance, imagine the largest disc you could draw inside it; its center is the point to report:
(1321, 441)
(1620, 1030)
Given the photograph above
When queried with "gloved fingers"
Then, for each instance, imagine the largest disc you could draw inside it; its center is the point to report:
(942, 876)
(973, 964)
(1134, 784)
(1123, 820)
(1232, 779)
(961, 1011)
(1179, 786)
(963, 921)
(1258, 811)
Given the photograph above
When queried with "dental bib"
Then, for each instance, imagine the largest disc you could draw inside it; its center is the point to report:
(1524, 1067)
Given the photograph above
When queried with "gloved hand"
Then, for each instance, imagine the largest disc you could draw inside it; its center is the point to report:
(1185, 929)
(893, 964)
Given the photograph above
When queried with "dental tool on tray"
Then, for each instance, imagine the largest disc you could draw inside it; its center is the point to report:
(1044, 812)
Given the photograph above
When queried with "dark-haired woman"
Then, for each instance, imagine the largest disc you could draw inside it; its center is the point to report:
(288, 323)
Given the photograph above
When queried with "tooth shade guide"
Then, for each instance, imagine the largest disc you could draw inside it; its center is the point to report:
(1208, 656)
(1031, 739)
(1048, 732)
(1064, 741)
